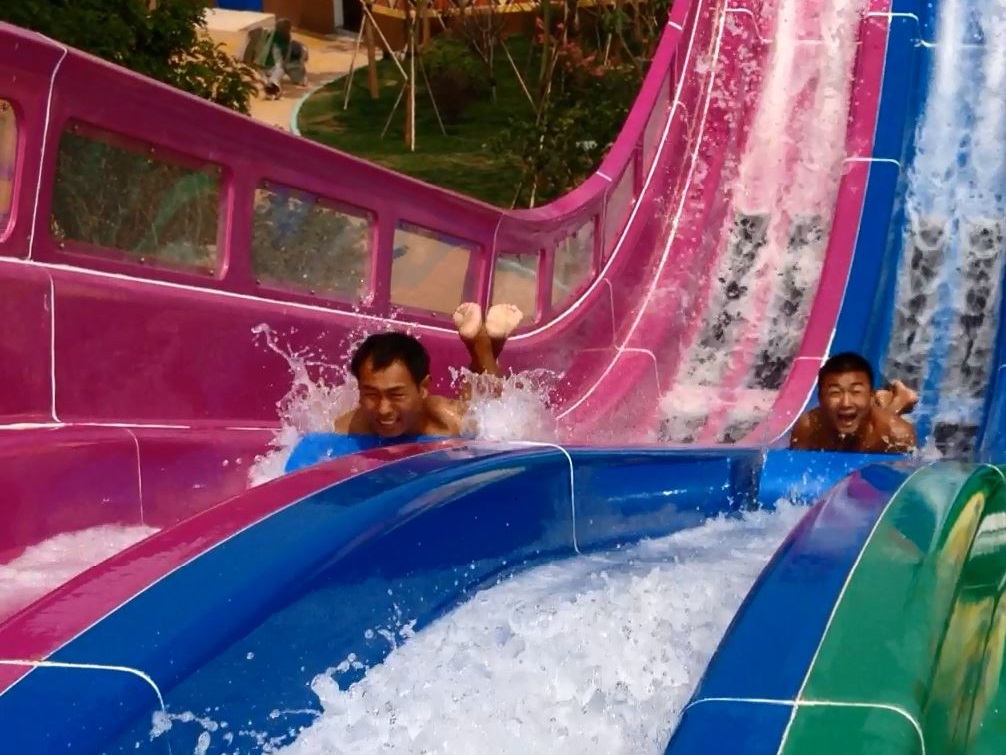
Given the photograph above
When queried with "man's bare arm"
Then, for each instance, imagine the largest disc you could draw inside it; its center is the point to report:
(903, 398)
(900, 436)
(448, 414)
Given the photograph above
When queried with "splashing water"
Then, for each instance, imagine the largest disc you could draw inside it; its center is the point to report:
(596, 654)
(319, 393)
(774, 235)
(48, 564)
(515, 407)
(947, 299)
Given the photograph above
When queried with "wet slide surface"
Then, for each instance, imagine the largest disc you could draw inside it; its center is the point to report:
(730, 309)
(934, 189)
(736, 270)
(656, 285)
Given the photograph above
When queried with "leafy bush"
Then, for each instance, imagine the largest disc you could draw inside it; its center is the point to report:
(164, 40)
(456, 75)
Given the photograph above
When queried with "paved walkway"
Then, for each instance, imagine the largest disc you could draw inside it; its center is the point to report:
(329, 58)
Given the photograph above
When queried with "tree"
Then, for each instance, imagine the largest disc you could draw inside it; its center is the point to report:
(581, 104)
(161, 39)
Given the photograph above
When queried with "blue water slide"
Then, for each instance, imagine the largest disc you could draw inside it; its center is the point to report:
(875, 266)
(243, 628)
(884, 258)
(765, 655)
(992, 445)
(769, 646)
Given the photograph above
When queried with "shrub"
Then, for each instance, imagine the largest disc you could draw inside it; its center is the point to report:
(456, 75)
(163, 40)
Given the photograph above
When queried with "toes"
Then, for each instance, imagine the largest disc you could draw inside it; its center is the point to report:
(468, 319)
(502, 320)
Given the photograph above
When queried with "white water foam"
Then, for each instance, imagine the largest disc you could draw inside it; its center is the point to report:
(514, 407)
(321, 392)
(595, 654)
(48, 564)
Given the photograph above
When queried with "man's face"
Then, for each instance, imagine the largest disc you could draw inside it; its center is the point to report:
(391, 400)
(845, 399)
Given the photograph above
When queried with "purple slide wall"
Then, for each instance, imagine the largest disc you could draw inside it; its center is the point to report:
(134, 391)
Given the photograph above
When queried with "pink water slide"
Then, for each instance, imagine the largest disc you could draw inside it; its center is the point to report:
(134, 387)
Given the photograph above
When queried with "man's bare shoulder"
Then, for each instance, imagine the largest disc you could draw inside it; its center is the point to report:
(446, 415)
(349, 423)
(810, 419)
(802, 436)
(341, 425)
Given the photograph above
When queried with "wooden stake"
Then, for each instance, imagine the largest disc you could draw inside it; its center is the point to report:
(433, 100)
(410, 98)
(352, 69)
(371, 58)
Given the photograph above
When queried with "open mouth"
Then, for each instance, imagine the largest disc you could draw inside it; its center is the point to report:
(847, 420)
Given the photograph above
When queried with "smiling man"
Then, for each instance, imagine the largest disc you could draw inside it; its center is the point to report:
(392, 372)
(849, 417)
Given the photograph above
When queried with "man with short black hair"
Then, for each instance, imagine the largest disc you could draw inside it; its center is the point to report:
(392, 371)
(851, 416)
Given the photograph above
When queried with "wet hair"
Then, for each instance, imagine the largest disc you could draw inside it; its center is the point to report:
(382, 349)
(847, 361)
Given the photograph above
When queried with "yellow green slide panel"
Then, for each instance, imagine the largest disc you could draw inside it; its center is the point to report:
(912, 656)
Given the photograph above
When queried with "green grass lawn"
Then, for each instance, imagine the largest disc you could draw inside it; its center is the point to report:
(461, 160)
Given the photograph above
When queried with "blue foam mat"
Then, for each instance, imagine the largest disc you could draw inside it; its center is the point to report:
(315, 448)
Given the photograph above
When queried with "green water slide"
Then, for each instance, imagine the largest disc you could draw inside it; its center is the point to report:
(911, 659)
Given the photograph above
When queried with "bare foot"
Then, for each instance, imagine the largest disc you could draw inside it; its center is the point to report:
(900, 389)
(468, 320)
(904, 398)
(898, 399)
(501, 320)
